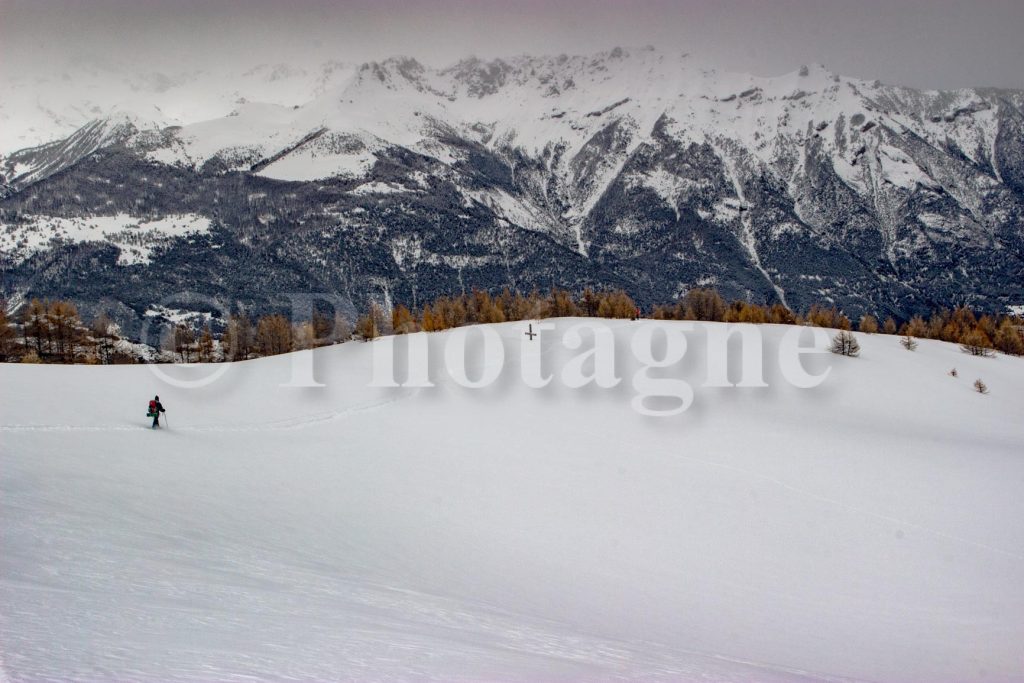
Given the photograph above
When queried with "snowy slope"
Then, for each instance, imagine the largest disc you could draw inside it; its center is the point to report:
(135, 239)
(868, 529)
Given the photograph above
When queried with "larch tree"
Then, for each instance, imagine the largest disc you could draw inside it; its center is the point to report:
(66, 329)
(562, 305)
(1008, 338)
(323, 327)
(868, 324)
(616, 304)
(780, 315)
(205, 345)
(36, 325)
(752, 313)
(827, 317)
(917, 327)
(371, 325)
(273, 335)
(959, 325)
(976, 343)
(704, 304)
(589, 301)
(988, 325)
(8, 337)
(402, 320)
(427, 322)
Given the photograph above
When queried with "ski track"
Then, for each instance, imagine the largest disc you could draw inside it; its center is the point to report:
(297, 423)
(400, 631)
(285, 424)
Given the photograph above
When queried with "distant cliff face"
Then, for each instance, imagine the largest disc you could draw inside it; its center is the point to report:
(625, 169)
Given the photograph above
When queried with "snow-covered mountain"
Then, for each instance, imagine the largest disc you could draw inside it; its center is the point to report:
(628, 168)
(869, 529)
(37, 109)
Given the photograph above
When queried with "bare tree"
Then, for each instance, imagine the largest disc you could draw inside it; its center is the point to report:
(237, 340)
(7, 334)
(342, 330)
(845, 344)
(35, 324)
(105, 333)
(304, 336)
(184, 340)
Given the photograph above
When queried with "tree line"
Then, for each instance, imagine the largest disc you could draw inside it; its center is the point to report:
(53, 331)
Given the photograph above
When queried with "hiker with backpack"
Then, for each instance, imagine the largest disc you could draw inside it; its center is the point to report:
(155, 408)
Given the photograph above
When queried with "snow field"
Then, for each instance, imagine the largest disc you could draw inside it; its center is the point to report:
(870, 528)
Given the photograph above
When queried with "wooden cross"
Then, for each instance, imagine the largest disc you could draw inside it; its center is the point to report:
(530, 333)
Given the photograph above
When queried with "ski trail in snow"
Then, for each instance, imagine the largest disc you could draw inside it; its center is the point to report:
(525, 633)
(285, 424)
(302, 422)
(70, 428)
(856, 510)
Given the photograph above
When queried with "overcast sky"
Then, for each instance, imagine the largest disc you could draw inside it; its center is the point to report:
(923, 43)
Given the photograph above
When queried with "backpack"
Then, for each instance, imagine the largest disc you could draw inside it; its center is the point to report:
(152, 409)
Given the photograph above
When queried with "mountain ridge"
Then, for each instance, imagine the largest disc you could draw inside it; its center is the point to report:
(657, 173)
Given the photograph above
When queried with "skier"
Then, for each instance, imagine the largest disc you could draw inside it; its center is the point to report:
(155, 408)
